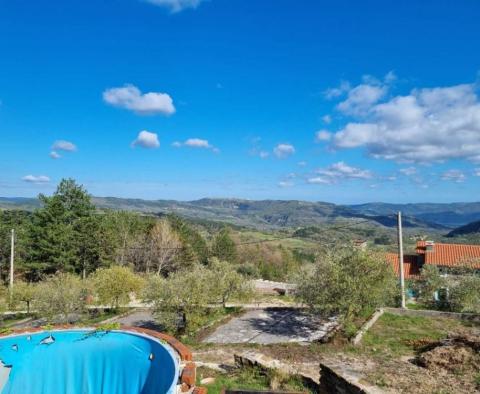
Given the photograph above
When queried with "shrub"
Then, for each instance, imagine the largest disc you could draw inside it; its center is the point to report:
(61, 294)
(347, 283)
(464, 295)
(114, 285)
(430, 282)
(24, 292)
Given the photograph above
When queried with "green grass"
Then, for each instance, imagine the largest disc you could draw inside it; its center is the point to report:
(392, 333)
(248, 379)
(9, 320)
(90, 318)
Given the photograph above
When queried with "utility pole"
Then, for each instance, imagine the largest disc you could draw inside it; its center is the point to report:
(12, 255)
(400, 257)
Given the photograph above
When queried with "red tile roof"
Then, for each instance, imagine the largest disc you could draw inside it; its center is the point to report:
(411, 268)
(450, 255)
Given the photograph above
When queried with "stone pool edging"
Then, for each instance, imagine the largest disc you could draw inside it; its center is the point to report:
(187, 373)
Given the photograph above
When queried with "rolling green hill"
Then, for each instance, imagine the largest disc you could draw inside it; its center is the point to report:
(271, 214)
(468, 229)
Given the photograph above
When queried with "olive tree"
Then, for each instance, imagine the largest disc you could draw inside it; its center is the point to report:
(114, 285)
(429, 283)
(24, 292)
(228, 282)
(60, 295)
(464, 294)
(180, 300)
(347, 283)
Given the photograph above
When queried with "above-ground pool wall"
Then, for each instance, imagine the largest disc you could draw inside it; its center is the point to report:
(187, 376)
(188, 369)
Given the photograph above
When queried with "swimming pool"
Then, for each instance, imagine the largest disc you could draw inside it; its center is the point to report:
(86, 361)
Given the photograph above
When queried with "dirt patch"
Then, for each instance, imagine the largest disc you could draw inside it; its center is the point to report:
(451, 358)
(459, 355)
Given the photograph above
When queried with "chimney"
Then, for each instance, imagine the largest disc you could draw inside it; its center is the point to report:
(429, 246)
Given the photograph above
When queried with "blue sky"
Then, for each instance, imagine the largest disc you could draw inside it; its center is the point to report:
(340, 101)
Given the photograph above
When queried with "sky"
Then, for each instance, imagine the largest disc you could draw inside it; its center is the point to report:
(340, 101)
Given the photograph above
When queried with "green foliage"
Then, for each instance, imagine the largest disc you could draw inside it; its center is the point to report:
(194, 247)
(182, 300)
(464, 295)
(114, 285)
(64, 233)
(122, 235)
(250, 379)
(223, 246)
(347, 283)
(394, 334)
(108, 327)
(23, 292)
(19, 221)
(60, 296)
(228, 282)
(268, 261)
(430, 282)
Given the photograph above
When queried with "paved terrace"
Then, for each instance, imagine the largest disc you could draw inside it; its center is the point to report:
(265, 326)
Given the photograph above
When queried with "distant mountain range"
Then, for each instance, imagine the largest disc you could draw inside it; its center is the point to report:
(287, 213)
(470, 228)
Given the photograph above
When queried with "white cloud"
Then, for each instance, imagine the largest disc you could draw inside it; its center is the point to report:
(337, 172)
(282, 151)
(285, 184)
(55, 155)
(66, 146)
(302, 163)
(196, 143)
(476, 171)
(130, 97)
(146, 139)
(176, 5)
(408, 171)
(263, 154)
(332, 93)
(323, 135)
(361, 98)
(428, 125)
(38, 179)
(453, 175)
(327, 119)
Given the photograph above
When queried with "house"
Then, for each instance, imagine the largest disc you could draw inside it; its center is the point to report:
(446, 257)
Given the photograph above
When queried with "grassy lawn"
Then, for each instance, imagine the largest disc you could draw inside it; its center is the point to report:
(248, 379)
(394, 334)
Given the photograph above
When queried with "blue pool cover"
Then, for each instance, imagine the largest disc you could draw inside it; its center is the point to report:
(87, 362)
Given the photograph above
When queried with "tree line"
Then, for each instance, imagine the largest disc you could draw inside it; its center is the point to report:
(67, 234)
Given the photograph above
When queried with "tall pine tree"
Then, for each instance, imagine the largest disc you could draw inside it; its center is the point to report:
(64, 233)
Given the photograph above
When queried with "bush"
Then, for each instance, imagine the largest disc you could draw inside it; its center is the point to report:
(61, 295)
(23, 292)
(114, 285)
(464, 295)
(348, 283)
(228, 282)
(182, 300)
(430, 282)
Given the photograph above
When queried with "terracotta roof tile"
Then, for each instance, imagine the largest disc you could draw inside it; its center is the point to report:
(411, 267)
(450, 255)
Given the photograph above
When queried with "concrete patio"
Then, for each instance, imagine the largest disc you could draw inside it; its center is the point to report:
(273, 325)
